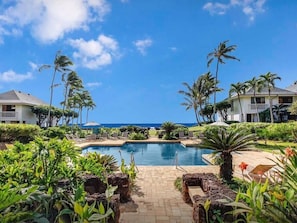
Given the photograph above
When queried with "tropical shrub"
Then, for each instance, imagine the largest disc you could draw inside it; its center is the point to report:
(271, 202)
(18, 132)
(224, 142)
(137, 136)
(54, 132)
(168, 128)
(40, 183)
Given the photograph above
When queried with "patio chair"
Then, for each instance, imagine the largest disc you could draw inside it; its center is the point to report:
(124, 135)
(103, 136)
(74, 138)
(114, 135)
(259, 173)
(181, 135)
(191, 135)
(91, 137)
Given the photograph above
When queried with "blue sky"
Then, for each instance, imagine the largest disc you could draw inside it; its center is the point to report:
(134, 55)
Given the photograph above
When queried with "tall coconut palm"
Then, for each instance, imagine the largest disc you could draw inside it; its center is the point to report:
(224, 141)
(238, 88)
(72, 82)
(61, 64)
(256, 84)
(197, 94)
(191, 100)
(89, 104)
(269, 81)
(222, 52)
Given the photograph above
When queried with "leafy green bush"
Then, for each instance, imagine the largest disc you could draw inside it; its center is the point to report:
(18, 132)
(274, 201)
(137, 136)
(54, 132)
(45, 165)
(178, 184)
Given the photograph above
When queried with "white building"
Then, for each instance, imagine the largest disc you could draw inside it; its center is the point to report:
(15, 107)
(249, 105)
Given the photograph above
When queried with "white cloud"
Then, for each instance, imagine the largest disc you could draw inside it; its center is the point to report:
(216, 8)
(94, 54)
(49, 20)
(142, 45)
(249, 7)
(93, 84)
(33, 66)
(11, 76)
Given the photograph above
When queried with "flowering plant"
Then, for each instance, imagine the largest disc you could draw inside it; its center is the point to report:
(243, 166)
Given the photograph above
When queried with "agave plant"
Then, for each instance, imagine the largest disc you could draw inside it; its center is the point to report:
(224, 142)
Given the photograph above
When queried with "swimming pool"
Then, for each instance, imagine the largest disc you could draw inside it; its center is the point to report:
(153, 154)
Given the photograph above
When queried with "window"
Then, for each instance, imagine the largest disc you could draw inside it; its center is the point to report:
(259, 100)
(8, 107)
(283, 100)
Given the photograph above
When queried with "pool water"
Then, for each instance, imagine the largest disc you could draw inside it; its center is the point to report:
(153, 154)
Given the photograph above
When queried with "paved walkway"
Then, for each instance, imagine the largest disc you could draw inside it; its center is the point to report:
(155, 199)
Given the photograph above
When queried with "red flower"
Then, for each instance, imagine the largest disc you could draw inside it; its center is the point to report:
(243, 166)
(289, 152)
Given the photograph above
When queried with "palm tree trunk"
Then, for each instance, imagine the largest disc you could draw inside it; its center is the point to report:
(226, 168)
(65, 104)
(270, 108)
(51, 100)
(215, 92)
(241, 113)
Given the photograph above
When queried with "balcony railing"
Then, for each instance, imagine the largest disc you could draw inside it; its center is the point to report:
(8, 115)
(259, 106)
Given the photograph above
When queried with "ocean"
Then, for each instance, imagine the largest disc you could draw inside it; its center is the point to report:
(144, 125)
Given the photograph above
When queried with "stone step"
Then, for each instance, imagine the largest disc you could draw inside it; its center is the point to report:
(195, 190)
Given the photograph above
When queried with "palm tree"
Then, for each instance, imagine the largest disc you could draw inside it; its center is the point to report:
(256, 85)
(168, 127)
(197, 95)
(191, 101)
(280, 110)
(220, 53)
(224, 142)
(269, 79)
(89, 105)
(61, 64)
(238, 88)
(72, 82)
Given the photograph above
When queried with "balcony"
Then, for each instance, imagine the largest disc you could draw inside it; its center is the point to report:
(9, 116)
(261, 107)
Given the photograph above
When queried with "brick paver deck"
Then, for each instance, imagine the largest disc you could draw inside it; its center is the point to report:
(155, 199)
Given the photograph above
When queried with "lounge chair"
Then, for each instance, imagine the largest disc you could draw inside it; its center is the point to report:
(114, 135)
(259, 173)
(181, 135)
(191, 135)
(103, 136)
(74, 138)
(91, 137)
(124, 135)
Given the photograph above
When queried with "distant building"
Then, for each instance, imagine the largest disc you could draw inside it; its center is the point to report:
(279, 97)
(15, 107)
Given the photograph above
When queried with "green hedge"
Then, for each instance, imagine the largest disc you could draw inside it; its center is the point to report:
(18, 132)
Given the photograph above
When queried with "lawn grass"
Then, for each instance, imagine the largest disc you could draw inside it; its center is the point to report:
(272, 146)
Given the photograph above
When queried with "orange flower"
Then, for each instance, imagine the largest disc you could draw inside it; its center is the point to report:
(243, 166)
(289, 152)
